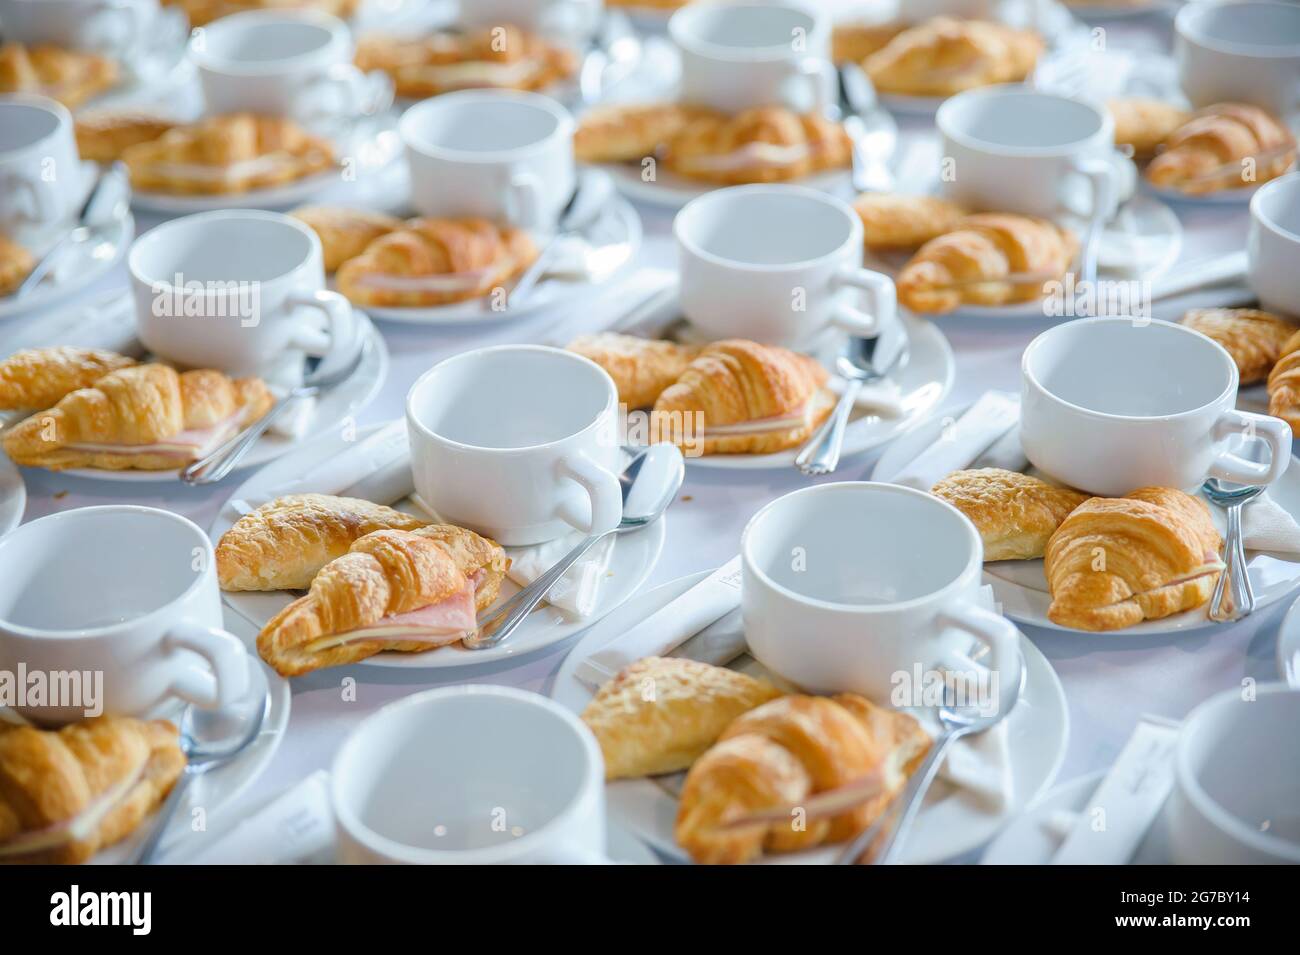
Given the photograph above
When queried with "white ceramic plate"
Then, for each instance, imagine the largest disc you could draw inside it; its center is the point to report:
(1020, 586)
(615, 239)
(948, 824)
(1288, 647)
(634, 558)
(332, 409)
(13, 495)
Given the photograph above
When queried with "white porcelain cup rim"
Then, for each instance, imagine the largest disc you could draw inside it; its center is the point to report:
(681, 22)
(61, 113)
(750, 566)
(335, 28)
(943, 119)
(477, 354)
(563, 127)
(1291, 181)
(1075, 326)
(44, 524)
(1202, 801)
(1189, 22)
(385, 846)
(682, 223)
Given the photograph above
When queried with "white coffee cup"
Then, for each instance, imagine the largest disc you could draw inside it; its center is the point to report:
(777, 264)
(846, 585)
(285, 63)
(467, 775)
(1013, 149)
(1236, 796)
(918, 11)
(740, 55)
(125, 591)
(517, 442)
(1239, 52)
(552, 17)
(1108, 405)
(119, 28)
(1273, 245)
(40, 170)
(499, 155)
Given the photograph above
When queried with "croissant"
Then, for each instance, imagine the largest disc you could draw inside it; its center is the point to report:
(1143, 123)
(103, 135)
(1229, 146)
(345, 233)
(659, 714)
(641, 368)
(145, 417)
(783, 752)
(202, 12)
(1284, 384)
(1014, 513)
(1253, 338)
(854, 42)
(1115, 562)
(227, 154)
(965, 266)
(66, 794)
(766, 144)
(434, 262)
(37, 378)
(393, 590)
(69, 76)
(282, 545)
(904, 222)
(16, 263)
(626, 132)
(741, 397)
(944, 56)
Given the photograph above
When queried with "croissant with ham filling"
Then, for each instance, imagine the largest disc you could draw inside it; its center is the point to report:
(393, 590)
(765, 144)
(37, 378)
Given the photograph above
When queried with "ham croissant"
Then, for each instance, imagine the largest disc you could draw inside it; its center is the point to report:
(641, 367)
(1284, 384)
(1255, 339)
(393, 590)
(1014, 513)
(764, 144)
(1229, 146)
(37, 378)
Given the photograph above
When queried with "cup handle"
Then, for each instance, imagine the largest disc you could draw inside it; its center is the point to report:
(41, 208)
(360, 94)
(820, 76)
(603, 490)
(524, 200)
(882, 302)
(225, 655)
(342, 325)
(1101, 177)
(1274, 432)
(993, 630)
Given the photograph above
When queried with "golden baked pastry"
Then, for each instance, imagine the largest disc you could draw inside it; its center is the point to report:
(345, 232)
(648, 4)
(641, 367)
(1252, 337)
(966, 265)
(766, 144)
(891, 221)
(202, 12)
(1014, 513)
(227, 154)
(393, 590)
(65, 794)
(436, 261)
(626, 132)
(740, 397)
(1115, 562)
(504, 57)
(1229, 146)
(37, 378)
(1284, 384)
(145, 417)
(780, 754)
(103, 135)
(659, 714)
(282, 545)
(16, 263)
(854, 42)
(945, 56)
(1143, 123)
(69, 76)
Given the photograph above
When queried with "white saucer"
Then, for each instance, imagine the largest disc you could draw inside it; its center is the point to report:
(1020, 586)
(947, 826)
(615, 240)
(13, 495)
(634, 558)
(671, 191)
(1288, 647)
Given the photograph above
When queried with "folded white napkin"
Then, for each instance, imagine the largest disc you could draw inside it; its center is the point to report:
(1266, 526)
(983, 424)
(296, 826)
(282, 375)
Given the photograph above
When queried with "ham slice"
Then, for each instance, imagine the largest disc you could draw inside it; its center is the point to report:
(440, 282)
(78, 827)
(446, 621)
(186, 445)
(795, 419)
(751, 154)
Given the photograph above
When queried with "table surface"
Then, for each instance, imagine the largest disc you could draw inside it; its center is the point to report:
(1109, 680)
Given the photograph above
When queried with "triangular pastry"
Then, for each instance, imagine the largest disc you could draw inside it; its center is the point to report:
(393, 590)
(1014, 513)
(1284, 384)
(659, 714)
(146, 417)
(345, 232)
(628, 132)
(1252, 337)
(765, 144)
(740, 397)
(69, 76)
(16, 263)
(945, 56)
(65, 794)
(103, 135)
(1115, 562)
(641, 367)
(1229, 146)
(37, 378)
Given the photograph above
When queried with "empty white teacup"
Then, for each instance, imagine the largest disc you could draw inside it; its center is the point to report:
(285, 63)
(126, 592)
(736, 56)
(1236, 796)
(1108, 405)
(233, 289)
(1242, 52)
(517, 442)
(123, 29)
(499, 155)
(847, 586)
(40, 171)
(1273, 245)
(470, 775)
(777, 264)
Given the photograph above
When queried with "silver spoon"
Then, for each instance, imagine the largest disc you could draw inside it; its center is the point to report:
(650, 483)
(210, 739)
(588, 199)
(872, 132)
(1233, 597)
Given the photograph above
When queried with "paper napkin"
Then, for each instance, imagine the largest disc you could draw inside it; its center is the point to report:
(296, 826)
(983, 425)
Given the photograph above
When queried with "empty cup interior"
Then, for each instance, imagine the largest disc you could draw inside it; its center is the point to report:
(1252, 28)
(243, 247)
(471, 124)
(743, 27)
(23, 125)
(263, 40)
(1018, 120)
(763, 228)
